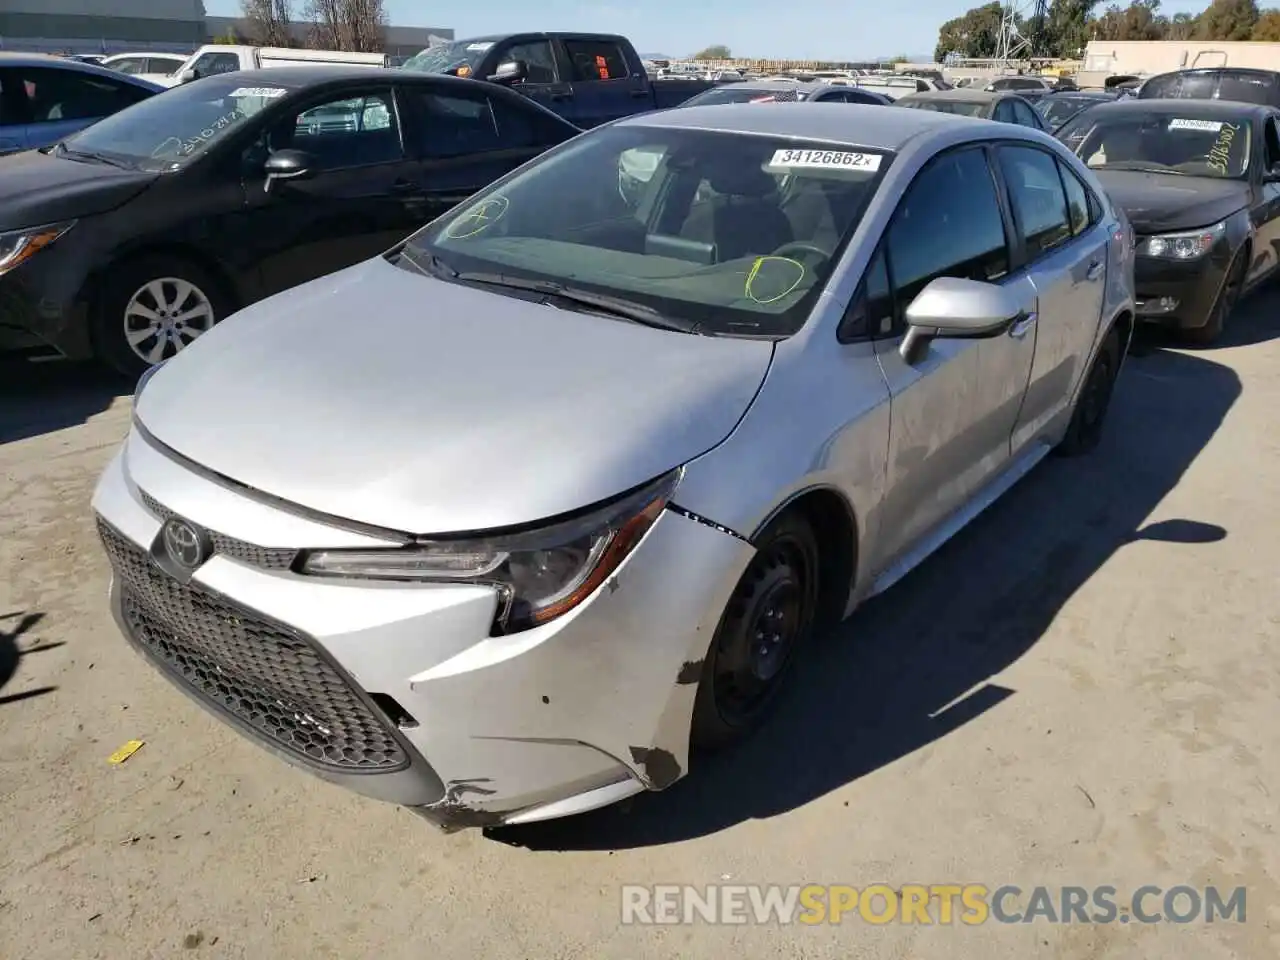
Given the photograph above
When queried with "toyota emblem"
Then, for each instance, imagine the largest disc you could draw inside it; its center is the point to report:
(183, 543)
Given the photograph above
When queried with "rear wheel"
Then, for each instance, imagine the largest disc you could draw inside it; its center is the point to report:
(151, 308)
(1222, 308)
(1085, 430)
(769, 618)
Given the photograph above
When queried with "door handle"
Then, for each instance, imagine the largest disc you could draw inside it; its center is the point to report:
(401, 187)
(1022, 325)
(640, 94)
(562, 95)
(1094, 271)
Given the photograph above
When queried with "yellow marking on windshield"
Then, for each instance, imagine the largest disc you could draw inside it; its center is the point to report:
(478, 218)
(754, 272)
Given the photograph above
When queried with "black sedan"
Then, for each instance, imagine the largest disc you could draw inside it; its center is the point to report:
(985, 104)
(134, 236)
(1200, 182)
(1058, 108)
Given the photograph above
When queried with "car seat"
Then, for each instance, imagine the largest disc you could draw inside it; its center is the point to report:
(742, 217)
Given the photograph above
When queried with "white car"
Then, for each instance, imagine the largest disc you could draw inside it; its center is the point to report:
(152, 66)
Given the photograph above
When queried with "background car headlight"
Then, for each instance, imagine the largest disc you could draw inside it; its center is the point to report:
(541, 573)
(1188, 245)
(19, 246)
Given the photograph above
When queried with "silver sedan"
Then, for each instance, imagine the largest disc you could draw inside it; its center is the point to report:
(497, 525)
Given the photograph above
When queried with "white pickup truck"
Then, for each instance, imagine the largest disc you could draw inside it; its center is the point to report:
(225, 58)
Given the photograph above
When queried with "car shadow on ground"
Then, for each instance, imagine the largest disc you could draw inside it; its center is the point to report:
(13, 627)
(916, 663)
(38, 398)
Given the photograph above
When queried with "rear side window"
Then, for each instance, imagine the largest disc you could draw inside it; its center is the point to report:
(454, 126)
(54, 95)
(520, 126)
(1247, 88)
(947, 225)
(1025, 115)
(1039, 203)
(213, 63)
(595, 60)
(1081, 212)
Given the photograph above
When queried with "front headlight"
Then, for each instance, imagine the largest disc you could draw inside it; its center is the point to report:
(541, 573)
(1189, 245)
(19, 246)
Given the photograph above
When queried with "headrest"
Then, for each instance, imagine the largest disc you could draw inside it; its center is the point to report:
(745, 180)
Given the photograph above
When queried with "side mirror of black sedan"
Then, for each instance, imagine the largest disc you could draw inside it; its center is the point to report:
(287, 165)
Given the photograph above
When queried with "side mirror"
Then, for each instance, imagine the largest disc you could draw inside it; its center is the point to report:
(1272, 175)
(287, 165)
(957, 309)
(189, 74)
(511, 71)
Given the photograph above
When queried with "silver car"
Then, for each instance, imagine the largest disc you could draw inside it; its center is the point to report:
(497, 525)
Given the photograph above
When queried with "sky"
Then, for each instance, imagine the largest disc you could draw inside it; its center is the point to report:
(783, 29)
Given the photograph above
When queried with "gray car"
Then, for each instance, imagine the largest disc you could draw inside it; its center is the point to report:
(986, 105)
(498, 524)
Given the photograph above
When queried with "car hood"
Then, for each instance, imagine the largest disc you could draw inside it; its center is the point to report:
(392, 399)
(36, 188)
(1160, 202)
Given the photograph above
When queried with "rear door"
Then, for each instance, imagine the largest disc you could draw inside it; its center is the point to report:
(953, 409)
(1061, 246)
(603, 85)
(1266, 212)
(364, 195)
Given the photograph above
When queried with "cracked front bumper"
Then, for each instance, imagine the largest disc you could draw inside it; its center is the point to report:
(397, 691)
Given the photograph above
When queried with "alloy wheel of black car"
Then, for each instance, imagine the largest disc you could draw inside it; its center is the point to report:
(1223, 307)
(769, 617)
(1085, 430)
(151, 308)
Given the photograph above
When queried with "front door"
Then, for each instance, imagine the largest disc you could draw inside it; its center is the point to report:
(363, 196)
(953, 410)
(1064, 253)
(542, 82)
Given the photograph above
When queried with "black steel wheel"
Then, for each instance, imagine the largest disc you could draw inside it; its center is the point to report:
(1225, 305)
(768, 620)
(1085, 430)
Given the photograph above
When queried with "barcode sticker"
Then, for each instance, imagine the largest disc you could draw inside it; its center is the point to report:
(826, 159)
(269, 93)
(1209, 126)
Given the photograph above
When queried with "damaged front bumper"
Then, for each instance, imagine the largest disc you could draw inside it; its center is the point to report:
(397, 691)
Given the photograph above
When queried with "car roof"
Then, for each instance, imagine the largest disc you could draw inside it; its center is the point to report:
(863, 125)
(1255, 71)
(1188, 108)
(46, 61)
(962, 95)
(310, 74)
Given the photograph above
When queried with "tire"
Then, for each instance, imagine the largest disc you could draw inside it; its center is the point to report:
(777, 596)
(1223, 306)
(148, 294)
(1087, 419)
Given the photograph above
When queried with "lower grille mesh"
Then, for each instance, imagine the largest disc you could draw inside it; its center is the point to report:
(274, 681)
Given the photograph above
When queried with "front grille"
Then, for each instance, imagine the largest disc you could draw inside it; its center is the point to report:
(274, 681)
(268, 558)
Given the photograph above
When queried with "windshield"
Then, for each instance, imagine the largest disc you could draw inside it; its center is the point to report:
(163, 132)
(460, 58)
(1160, 143)
(961, 108)
(1058, 110)
(728, 233)
(739, 95)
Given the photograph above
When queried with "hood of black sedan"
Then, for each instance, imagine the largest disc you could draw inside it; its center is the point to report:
(38, 188)
(1165, 202)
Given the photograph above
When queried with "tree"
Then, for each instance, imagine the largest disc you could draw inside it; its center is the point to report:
(1267, 29)
(347, 24)
(1067, 28)
(900, 58)
(1138, 21)
(975, 34)
(1227, 20)
(1181, 27)
(717, 51)
(230, 38)
(268, 21)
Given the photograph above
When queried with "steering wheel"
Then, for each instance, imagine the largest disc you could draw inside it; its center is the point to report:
(801, 247)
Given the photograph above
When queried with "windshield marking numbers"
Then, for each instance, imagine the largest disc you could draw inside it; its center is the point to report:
(826, 160)
(1208, 126)
(268, 93)
(1219, 158)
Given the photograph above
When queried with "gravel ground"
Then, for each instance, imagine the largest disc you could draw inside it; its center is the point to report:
(1081, 689)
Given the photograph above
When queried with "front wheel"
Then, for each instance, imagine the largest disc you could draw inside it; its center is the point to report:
(1224, 305)
(151, 308)
(768, 619)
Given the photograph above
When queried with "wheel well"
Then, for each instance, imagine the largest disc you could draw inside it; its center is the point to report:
(835, 529)
(95, 284)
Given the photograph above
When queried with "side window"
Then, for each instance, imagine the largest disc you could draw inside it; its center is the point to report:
(539, 58)
(520, 126)
(1039, 204)
(130, 65)
(872, 310)
(1273, 144)
(1004, 112)
(1025, 115)
(13, 100)
(54, 95)
(596, 60)
(351, 132)
(1081, 207)
(947, 225)
(456, 126)
(162, 65)
(212, 63)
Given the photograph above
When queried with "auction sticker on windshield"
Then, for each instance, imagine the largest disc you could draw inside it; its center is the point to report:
(1209, 126)
(826, 159)
(269, 93)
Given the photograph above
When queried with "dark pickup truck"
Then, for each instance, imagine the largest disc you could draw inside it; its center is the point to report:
(587, 78)
(1243, 84)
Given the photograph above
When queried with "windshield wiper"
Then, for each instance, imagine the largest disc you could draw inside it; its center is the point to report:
(93, 156)
(597, 302)
(1139, 168)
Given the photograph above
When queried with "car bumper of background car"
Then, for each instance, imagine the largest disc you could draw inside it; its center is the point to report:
(40, 308)
(398, 691)
(1177, 294)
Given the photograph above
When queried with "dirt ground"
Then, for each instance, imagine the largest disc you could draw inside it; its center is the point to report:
(1081, 689)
